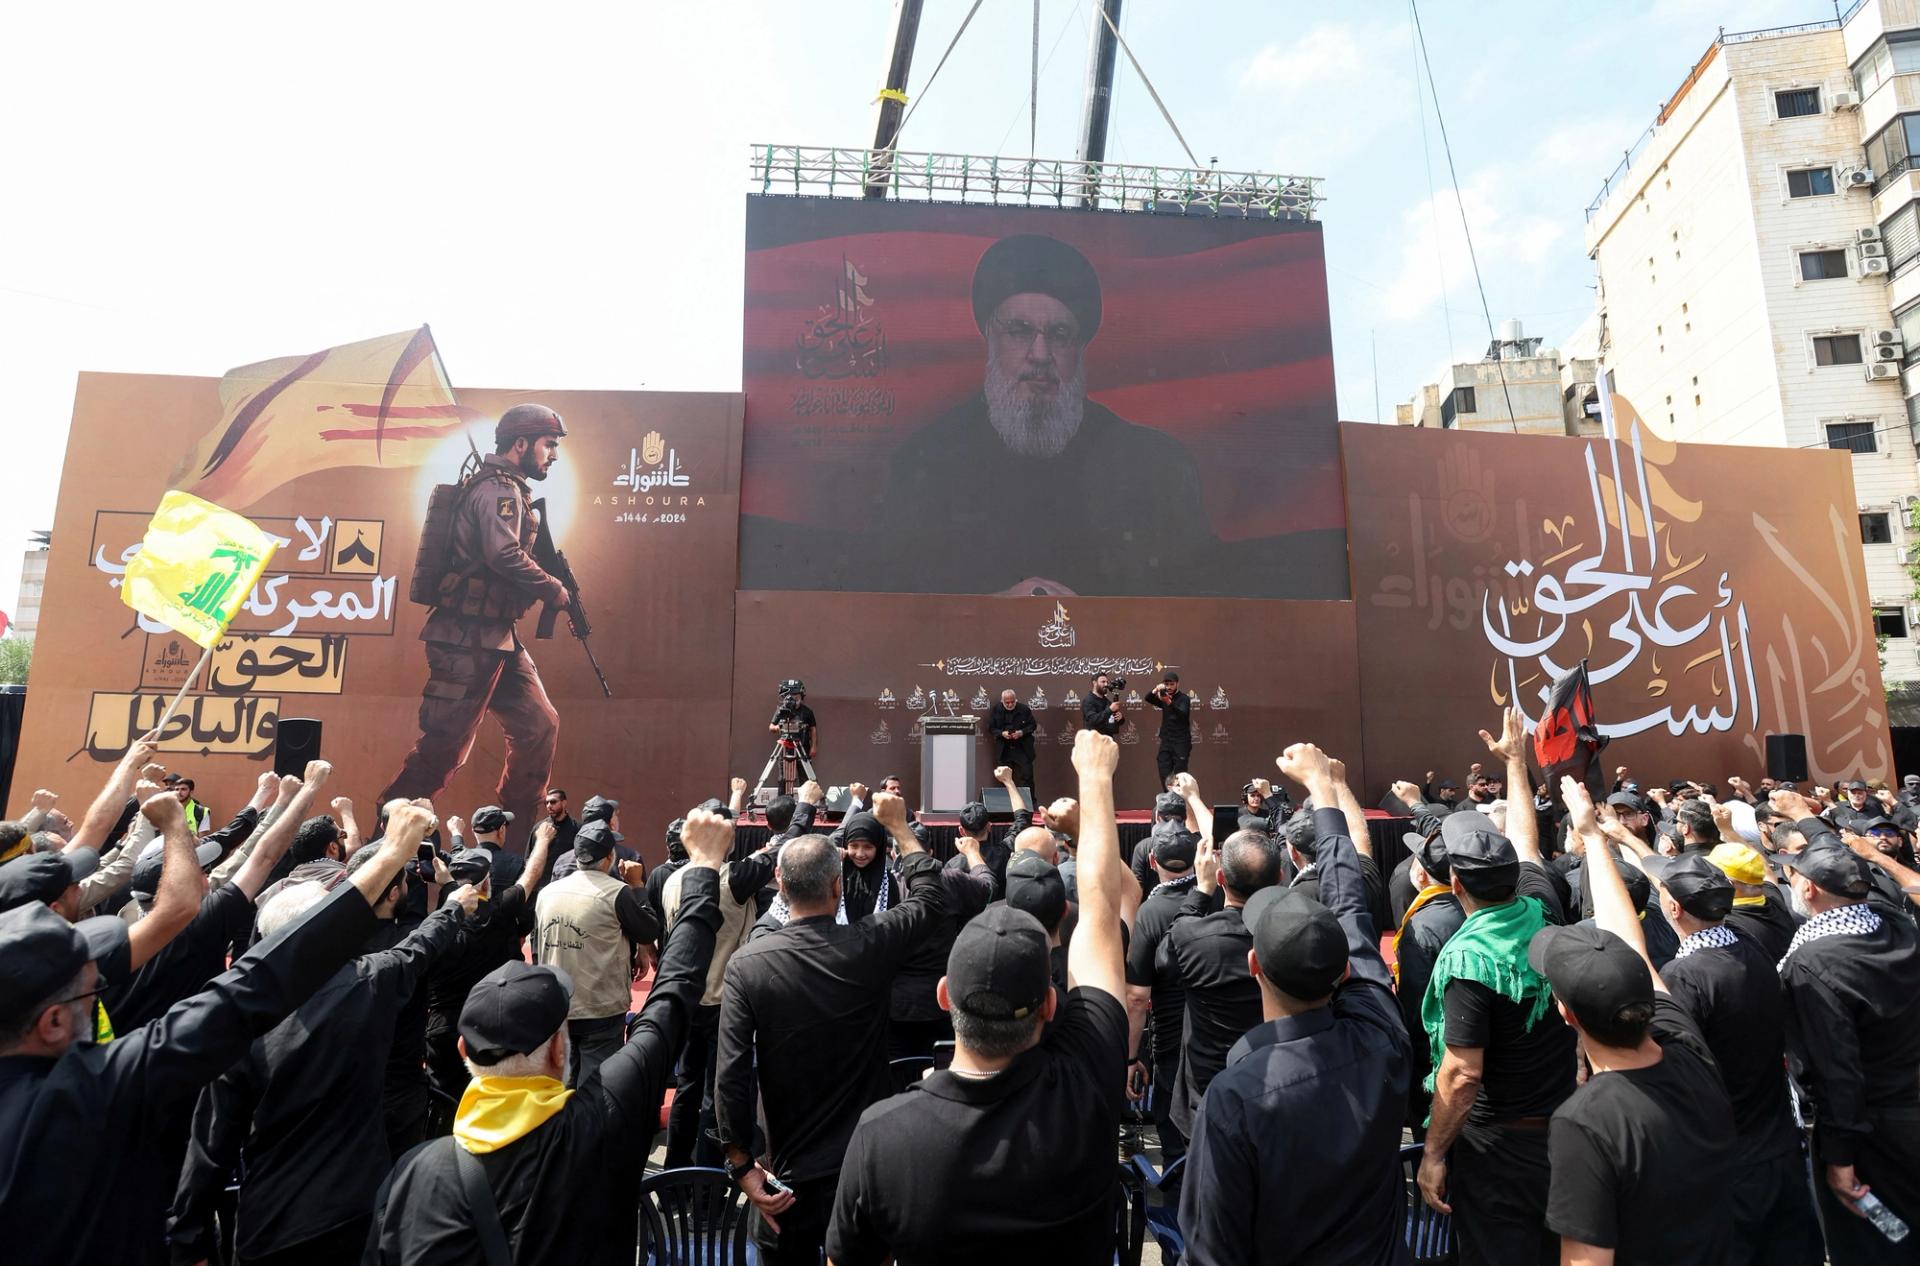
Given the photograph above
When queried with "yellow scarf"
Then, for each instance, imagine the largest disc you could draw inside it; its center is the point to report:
(495, 1111)
(1426, 895)
(1749, 902)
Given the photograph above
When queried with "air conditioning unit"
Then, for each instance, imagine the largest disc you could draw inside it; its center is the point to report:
(1844, 99)
(1869, 234)
(1873, 267)
(1881, 369)
(1872, 250)
(1894, 353)
(1884, 338)
(1857, 177)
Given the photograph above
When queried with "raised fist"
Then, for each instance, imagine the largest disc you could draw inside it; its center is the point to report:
(407, 824)
(859, 791)
(737, 785)
(163, 810)
(811, 793)
(268, 781)
(1003, 773)
(318, 771)
(708, 838)
(288, 785)
(891, 810)
(545, 832)
(1095, 755)
(342, 807)
(1305, 764)
(1186, 785)
(44, 800)
(466, 896)
(457, 827)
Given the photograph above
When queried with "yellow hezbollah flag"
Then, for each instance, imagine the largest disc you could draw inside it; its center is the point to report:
(196, 566)
(381, 402)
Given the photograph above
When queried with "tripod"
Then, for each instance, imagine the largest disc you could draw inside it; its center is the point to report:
(786, 747)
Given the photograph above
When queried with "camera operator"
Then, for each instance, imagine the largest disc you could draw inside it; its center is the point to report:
(1176, 725)
(1104, 710)
(793, 722)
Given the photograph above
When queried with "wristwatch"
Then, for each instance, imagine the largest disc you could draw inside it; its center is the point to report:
(736, 1172)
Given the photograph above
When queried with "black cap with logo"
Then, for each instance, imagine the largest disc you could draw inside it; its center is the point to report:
(1594, 972)
(1478, 853)
(490, 817)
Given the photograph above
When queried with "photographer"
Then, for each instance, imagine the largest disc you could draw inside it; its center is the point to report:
(793, 722)
(1104, 711)
(1176, 725)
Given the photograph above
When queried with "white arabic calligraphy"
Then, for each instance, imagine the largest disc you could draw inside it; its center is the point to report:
(640, 479)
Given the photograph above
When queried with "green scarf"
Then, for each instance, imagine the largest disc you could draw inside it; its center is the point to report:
(1491, 948)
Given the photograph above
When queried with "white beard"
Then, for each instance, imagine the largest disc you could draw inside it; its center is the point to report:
(1028, 426)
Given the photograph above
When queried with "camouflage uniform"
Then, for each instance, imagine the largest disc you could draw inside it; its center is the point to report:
(475, 661)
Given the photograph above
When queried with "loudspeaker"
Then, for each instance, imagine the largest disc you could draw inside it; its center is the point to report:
(295, 742)
(838, 798)
(1000, 804)
(1787, 757)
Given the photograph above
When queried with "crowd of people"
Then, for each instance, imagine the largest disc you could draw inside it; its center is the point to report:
(1627, 1025)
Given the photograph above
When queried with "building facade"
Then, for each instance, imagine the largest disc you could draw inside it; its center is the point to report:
(1759, 275)
(33, 582)
(1518, 386)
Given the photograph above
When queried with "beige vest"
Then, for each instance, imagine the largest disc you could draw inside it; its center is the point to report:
(580, 934)
(736, 920)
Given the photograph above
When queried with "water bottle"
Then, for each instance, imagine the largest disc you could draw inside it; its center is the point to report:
(1885, 1220)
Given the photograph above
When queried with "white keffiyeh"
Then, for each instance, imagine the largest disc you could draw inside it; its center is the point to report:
(1171, 885)
(1854, 920)
(1717, 937)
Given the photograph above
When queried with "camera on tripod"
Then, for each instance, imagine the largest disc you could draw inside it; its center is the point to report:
(787, 717)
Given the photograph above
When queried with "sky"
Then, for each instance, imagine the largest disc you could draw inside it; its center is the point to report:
(558, 189)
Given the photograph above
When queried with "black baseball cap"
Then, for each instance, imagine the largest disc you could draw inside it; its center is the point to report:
(490, 817)
(146, 871)
(1478, 853)
(1300, 945)
(1837, 870)
(593, 841)
(1176, 850)
(863, 826)
(1428, 847)
(513, 1010)
(1879, 820)
(38, 878)
(1169, 805)
(470, 865)
(999, 967)
(1854, 785)
(1702, 888)
(599, 809)
(1035, 885)
(713, 805)
(1628, 801)
(1639, 887)
(43, 951)
(1594, 972)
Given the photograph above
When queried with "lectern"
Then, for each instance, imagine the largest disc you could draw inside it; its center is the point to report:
(947, 763)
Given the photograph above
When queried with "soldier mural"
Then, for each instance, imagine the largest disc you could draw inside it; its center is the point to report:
(477, 570)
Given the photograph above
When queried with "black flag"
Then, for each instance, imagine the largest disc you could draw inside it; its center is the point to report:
(1568, 738)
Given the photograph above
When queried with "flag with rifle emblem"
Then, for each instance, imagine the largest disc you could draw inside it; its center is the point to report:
(196, 567)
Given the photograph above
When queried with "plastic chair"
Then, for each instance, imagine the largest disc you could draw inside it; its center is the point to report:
(1163, 1219)
(1429, 1232)
(1129, 1218)
(907, 1070)
(441, 1109)
(694, 1217)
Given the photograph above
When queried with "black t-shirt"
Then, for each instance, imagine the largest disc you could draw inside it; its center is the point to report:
(488, 938)
(1770, 925)
(959, 1169)
(1209, 956)
(1733, 995)
(1148, 967)
(1641, 1157)
(1527, 1072)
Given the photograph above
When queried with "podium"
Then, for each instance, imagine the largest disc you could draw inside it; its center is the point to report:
(947, 763)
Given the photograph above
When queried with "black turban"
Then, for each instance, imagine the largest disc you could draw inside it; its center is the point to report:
(1031, 264)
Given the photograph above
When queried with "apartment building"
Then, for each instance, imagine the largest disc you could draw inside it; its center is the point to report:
(1519, 386)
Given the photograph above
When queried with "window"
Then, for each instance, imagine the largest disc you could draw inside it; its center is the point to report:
(1796, 102)
(1889, 621)
(1837, 349)
(1810, 182)
(1889, 151)
(1851, 437)
(1823, 265)
(1908, 323)
(1463, 400)
(1876, 528)
(1901, 233)
(1898, 54)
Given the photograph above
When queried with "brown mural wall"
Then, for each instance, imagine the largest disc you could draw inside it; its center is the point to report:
(644, 501)
(1731, 604)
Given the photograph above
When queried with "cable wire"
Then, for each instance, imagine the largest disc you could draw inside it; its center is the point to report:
(1413, 6)
(894, 141)
(1135, 63)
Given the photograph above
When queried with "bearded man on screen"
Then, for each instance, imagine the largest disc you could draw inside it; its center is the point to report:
(1029, 486)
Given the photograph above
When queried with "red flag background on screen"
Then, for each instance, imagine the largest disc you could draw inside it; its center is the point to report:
(1568, 738)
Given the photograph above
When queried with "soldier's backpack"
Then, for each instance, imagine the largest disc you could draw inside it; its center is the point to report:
(435, 557)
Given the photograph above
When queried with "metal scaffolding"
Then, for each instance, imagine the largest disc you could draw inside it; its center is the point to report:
(804, 170)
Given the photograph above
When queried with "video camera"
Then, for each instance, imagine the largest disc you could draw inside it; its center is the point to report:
(1115, 686)
(787, 717)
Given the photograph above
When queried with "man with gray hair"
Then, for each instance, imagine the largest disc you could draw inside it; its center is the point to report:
(810, 1001)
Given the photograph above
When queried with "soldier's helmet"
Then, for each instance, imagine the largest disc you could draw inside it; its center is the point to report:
(529, 420)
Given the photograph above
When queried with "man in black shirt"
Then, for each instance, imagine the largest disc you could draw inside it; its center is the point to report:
(304, 1105)
(1432, 918)
(1505, 1059)
(563, 823)
(1009, 1152)
(97, 1118)
(1732, 990)
(1011, 724)
(1643, 1152)
(1857, 810)
(1206, 951)
(1176, 725)
(560, 1167)
(1099, 713)
(1153, 991)
(793, 721)
(808, 1003)
(1296, 1149)
(492, 936)
(1853, 1041)
(1760, 910)
(490, 824)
